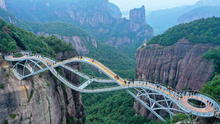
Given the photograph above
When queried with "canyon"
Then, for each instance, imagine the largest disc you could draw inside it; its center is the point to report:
(98, 30)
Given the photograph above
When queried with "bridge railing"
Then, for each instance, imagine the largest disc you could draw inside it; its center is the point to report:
(199, 92)
(161, 85)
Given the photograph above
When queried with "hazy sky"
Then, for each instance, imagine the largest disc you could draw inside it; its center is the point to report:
(151, 4)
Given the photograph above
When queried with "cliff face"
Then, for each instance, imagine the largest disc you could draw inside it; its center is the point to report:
(180, 66)
(131, 33)
(81, 44)
(137, 18)
(39, 100)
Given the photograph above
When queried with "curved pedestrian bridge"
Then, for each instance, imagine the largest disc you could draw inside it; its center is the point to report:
(156, 98)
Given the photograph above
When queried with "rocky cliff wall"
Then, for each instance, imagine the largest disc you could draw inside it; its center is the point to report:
(180, 66)
(137, 18)
(41, 99)
(82, 45)
(131, 33)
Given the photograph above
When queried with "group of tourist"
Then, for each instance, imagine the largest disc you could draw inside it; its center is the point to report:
(80, 57)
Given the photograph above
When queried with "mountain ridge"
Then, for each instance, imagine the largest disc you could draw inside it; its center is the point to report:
(182, 14)
(100, 18)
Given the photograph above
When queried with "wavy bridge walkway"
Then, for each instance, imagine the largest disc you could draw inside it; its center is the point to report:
(157, 99)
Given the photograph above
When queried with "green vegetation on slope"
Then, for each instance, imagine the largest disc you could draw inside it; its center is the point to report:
(214, 55)
(113, 58)
(119, 106)
(200, 31)
(63, 29)
(6, 16)
(57, 45)
(14, 39)
(213, 87)
(111, 108)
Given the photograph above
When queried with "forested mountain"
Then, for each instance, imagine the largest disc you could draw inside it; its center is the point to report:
(14, 39)
(185, 57)
(200, 31)
(100, 18)
(5, 15)
(200, 12)
(174, 16)
(169, 17)
(83, 40)
(86, 43)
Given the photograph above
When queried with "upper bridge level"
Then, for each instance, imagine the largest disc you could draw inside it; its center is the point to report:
(155, 97)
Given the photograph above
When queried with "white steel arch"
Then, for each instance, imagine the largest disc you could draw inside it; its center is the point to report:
(154, 97)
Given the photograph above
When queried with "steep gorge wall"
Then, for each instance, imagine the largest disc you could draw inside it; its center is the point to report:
(41, 99)
(180, 66)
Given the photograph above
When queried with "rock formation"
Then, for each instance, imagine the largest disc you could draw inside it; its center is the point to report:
(41, 99)
(81, 44)
(137, 18)
(180, 66)
(132, 32)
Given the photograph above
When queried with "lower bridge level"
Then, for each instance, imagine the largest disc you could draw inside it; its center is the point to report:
(154, 97)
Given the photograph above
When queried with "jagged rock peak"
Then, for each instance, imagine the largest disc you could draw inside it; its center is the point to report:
(2, 4)
(137, 15)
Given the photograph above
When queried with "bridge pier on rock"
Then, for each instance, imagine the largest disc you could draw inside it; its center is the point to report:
(156, 98)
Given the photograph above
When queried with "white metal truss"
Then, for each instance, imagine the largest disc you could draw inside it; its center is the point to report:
(154, 97)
